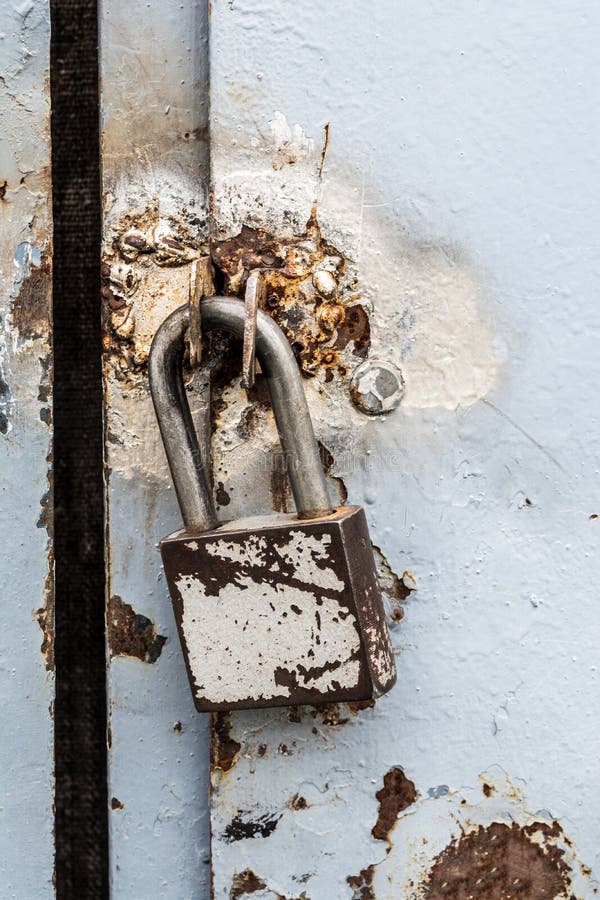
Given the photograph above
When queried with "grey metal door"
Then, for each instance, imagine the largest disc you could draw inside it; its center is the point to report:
(439, 164)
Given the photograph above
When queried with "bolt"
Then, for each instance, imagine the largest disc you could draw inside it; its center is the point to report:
(376, 387)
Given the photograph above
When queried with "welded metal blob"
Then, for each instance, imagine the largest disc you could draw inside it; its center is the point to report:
(272, 610)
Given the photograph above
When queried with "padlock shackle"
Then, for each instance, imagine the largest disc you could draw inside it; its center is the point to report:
(189, 465)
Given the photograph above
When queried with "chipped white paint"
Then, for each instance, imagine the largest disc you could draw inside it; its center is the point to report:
(250, 552)
(26, 674)
(239, 640)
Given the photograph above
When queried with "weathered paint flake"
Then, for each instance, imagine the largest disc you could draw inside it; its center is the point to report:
(304, 640)
(295, 628)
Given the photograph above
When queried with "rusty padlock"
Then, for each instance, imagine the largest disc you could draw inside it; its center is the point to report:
(275, 610)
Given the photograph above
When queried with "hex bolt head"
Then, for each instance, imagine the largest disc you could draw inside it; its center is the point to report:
(376, 387)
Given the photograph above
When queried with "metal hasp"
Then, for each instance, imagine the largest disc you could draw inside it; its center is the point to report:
(274, 610)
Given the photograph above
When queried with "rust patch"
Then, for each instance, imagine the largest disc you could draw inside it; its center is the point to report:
(355, 329)
(362, 884)
(115, 803)
(488, 789)
(225, 749)
(3, 187)
(396, 795)
(310, 293)
(45, 615)
(393, 587)
(244, 827)
(298, 802)
(131, 634)
(31, 309)
(178, 728)
(245, 883)
(502, 862)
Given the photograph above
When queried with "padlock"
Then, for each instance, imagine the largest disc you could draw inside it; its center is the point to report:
(274, 610)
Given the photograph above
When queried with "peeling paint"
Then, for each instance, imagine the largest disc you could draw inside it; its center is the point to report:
(245, 883)
(45, 615)
(132, 634)
(31, 307)
(248, 825)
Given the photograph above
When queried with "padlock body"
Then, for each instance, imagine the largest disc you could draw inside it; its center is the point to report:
(277, 611)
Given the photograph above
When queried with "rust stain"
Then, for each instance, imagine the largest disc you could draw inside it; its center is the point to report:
(225, 749)
(178, 728)
(31, 309)
(362, 884)
(298, 802)
(3, 187)
(115, 803)
(396, 795)
(245, 883)
(131, 634)
(502, 862)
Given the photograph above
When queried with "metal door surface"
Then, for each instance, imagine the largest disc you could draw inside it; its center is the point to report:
(431, 173)
(26, 599)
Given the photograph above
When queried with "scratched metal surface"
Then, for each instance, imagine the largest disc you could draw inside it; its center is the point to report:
(153, 65)
(26, 602)
(458, 180)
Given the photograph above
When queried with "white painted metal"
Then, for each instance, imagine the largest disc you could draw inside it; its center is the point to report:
(154, 102)
(460, 181)
(26, 601)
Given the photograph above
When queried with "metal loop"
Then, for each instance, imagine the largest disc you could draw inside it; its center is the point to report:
(189, 469)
